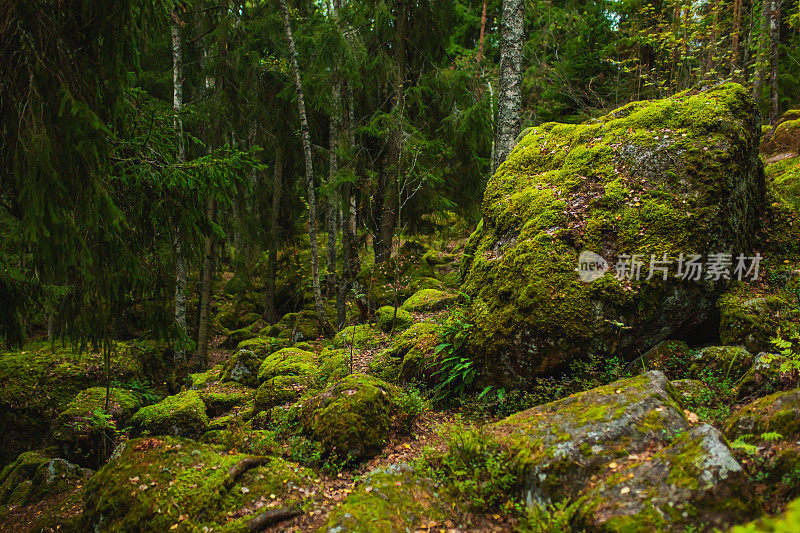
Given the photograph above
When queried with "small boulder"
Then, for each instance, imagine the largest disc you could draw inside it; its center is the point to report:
(359, 336)
(279, 390)
(385, 317)
(720, 363)
(35, 475)
(689, 390)
(354, 417)
(428, 300)
(776, 413)
(288, 362)
(181, 415)
(243, 368)
(670, 357)
(766, 376)
(263, 346)
(751, 320)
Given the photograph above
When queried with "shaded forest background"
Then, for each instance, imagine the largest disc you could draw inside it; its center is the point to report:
(147, 146)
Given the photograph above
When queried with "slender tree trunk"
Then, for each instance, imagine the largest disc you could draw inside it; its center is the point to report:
(349, 246)
(483, 30)
(333, 196)
(774, 42)
(735, 36)
(758, 71)
(205, 288)
(270, 311)
(509, 99)
(180, 258)
(309, 164)
(382, 242)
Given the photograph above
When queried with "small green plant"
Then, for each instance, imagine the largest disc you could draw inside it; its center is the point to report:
(143, 388)
(552, 518)
(455, 372)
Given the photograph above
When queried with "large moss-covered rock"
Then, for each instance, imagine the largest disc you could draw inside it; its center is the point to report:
(288, 362)
(354, 417)
(279, 390)
(428, 300)
(243, 367)
(302, 326)
(786, 136)
(263, 346)
(167, 483)
(387, 316)
(776, 413)
(694, 481)
(387, 500)
(628, 454)
(181, 415)
(222, 397)
(669, 176)
(670, 357)
(787, 522)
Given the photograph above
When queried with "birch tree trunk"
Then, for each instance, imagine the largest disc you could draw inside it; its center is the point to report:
(309, 164)
(270, 311)
(774, 42)
(509, 99)
(180, 259)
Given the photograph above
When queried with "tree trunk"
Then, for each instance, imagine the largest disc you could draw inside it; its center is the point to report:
(774, 42)
(483, 30)
(382, 241)
(333, 196)
(349, 247)
(270, 310)
(758, 71)
(309, 164)
(735, 36)
(180, 259)
(509, 100)
(205, 288)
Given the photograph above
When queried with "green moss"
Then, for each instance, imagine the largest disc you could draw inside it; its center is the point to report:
(655, 177)
(35, 475)
(379, 280)
(279, 390)
(388, 500)
(385, 317)
(751, 319)
(302, 326)
(165, 481)
(334, 365)
(78, 422)
(221, 398)
(416, 344)
(776, 413)
(183, 414)
(784, 523)
(720, 363)
(263, 346)
(354, 417)
(428, 300)
(288, 362)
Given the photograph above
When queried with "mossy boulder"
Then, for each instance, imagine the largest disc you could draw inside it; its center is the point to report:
(379, 281)
(428, 300)
(651, 178)
(751, 320)
(181, 415)
(626, 452)
(436, 257)
(302, 326)
(693, 482)
(408, 357)
(334, 364)
(222, 397)
(80, 430)
(785, 137)
(776, 413)
(279, 390)
(288, 362)
(393, 498)
(167, 483)
(237, 336)
(36, 475)
(359, 336)
(765, 377)
(354, 417)
(263, 346)
(385, 317)
(720, 363)
(201, 380)
(243, 367)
